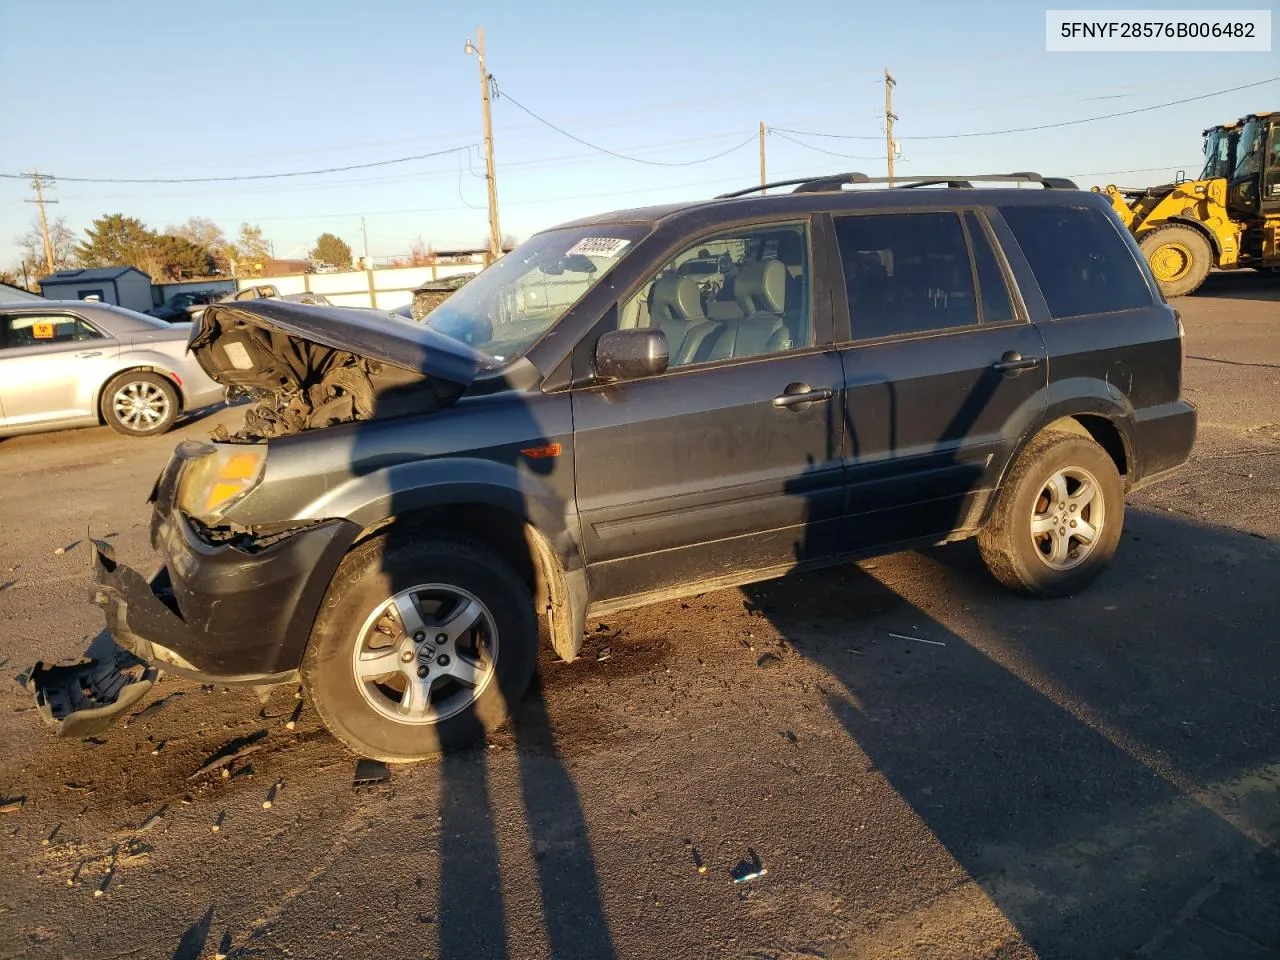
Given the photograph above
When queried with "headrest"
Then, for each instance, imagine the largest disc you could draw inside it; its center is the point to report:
(675, 298)
(761, 287)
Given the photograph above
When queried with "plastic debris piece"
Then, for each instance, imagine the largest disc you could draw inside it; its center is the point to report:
(231, 752)
(13, 806)
(153, 820)
(217, 823)
(903, 636)
(749, 868)
(768, 660)
(293, 717)
(370, 772)
(271, 794)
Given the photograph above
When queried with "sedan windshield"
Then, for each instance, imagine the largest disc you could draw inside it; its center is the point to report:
(510, 305)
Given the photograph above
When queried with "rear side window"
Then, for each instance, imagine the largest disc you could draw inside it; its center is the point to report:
(35, 331)
(906, 273)
(996, 306)
(1079, 259)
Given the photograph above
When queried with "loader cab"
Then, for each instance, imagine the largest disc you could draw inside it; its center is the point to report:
(1254, 190)
(1220, 151)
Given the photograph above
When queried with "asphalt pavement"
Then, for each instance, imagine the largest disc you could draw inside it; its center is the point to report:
(923, 764)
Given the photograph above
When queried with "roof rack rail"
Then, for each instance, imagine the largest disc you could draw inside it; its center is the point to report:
(837, 181)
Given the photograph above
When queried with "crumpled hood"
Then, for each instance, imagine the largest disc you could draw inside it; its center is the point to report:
(310, 366)
(269, 344)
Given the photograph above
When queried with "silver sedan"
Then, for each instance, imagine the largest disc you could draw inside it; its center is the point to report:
(75, 363)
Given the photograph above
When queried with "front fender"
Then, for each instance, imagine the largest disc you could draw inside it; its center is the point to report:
(407, 488)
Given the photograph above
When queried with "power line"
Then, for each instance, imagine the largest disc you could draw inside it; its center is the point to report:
(1041, 126)
(810, 146)
(254, 176)
(613, 153)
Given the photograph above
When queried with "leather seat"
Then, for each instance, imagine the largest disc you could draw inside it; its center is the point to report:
(760, 290)
(675, 308)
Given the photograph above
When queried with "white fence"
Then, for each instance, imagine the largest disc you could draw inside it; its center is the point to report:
(383, 289)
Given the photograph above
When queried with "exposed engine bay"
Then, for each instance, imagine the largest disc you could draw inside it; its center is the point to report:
(279, 359)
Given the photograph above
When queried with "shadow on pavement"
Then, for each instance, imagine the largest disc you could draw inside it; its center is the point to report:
(1094, 763)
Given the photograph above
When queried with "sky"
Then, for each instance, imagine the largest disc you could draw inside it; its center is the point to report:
(159, 89)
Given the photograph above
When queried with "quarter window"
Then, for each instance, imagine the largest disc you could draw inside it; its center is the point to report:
(1081, 262)
(739, 294)
(906, 273)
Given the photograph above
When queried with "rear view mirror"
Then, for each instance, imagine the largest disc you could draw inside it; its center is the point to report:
(631, 354)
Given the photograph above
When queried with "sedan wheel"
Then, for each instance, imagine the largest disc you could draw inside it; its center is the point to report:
(139, 404)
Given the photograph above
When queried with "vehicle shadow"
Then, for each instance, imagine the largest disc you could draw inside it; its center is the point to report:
(1097, 765)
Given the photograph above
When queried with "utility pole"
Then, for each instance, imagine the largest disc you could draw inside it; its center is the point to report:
(365, 232)
(763, 181)
(37, 181)
(889, 117)
(495, 232)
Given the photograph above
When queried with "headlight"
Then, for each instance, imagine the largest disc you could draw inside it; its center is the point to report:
(215, 481)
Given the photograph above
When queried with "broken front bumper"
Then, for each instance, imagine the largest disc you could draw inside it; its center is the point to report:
(218, 612)
(86, 698)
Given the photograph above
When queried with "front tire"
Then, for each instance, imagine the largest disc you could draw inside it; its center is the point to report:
(1179, 257)
(1057, 522)
(420, 648)
(140, 404)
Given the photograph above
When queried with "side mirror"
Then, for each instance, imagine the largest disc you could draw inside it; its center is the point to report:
(631, 354)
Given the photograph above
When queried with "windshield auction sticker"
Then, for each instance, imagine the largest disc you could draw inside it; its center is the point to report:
(1153, 31)
(599, 247)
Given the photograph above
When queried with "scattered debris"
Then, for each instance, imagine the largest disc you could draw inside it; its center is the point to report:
(60, 551)
(136, 852)
(151, 708)
(903, 636)
(790, 737)
(271, 794)
(697, 858)
(231, 752)
(748, 869)
(94, 742)
(293, 717)
(605, 654)
(77, 787)
(217, 823)
(53, 835)
(224, 948)
(768, 660)
(12, 806)
(370, 772)
(152, 820)
(158, 747)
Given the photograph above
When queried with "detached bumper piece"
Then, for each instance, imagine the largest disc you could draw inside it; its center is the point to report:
(85, 698)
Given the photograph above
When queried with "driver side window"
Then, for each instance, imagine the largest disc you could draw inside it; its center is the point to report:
(744, 293)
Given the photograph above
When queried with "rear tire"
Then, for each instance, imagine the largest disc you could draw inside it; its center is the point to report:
(1179, 256)
(402, 697)
(1057, 521)
(139, 403)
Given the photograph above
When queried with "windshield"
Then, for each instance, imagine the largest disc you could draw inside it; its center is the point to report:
(1250, 150)
(509, 306)
(1217, 154)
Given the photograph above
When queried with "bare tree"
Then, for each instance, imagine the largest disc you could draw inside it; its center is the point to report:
(63, 240)
(203, 232)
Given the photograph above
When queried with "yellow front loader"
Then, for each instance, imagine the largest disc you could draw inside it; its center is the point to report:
(1228, 218)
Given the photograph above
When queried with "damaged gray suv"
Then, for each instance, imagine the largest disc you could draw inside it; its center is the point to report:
(637, 407)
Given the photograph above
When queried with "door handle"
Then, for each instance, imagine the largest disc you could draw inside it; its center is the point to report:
(801, 394)
(1014, 362)
(90, 353)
